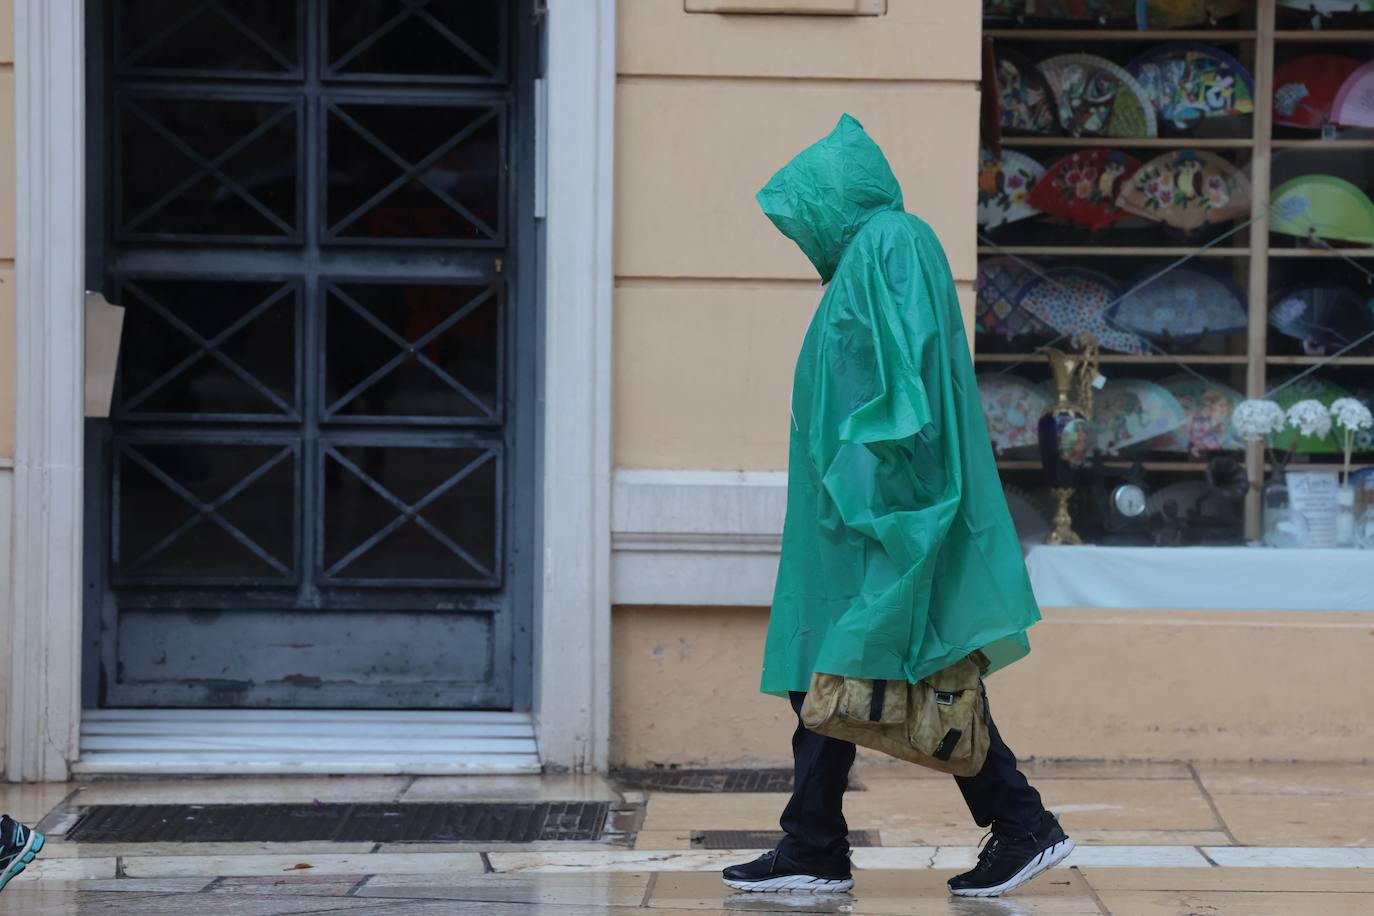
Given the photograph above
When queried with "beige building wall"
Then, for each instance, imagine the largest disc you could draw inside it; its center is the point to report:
(710, 301)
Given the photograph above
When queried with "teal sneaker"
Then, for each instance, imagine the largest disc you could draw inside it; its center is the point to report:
(18, 847)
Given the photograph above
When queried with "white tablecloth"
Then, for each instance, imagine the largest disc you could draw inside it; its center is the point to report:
(1203, 578)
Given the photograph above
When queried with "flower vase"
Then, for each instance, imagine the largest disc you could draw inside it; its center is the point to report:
(1345, 516)
(1284, 526)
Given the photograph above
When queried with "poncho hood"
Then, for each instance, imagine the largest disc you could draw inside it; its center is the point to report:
(825, 195)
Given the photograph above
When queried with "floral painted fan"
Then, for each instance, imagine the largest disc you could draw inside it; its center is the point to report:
(1074, 301)
(1098, 98)
(1324, 318)
(1083, 187)
(1354, 104)
(1305, 89)
(1207, 407)
(1322, 206)
(1311, 387)
(1004, 186)
(1024, 97)
(1012, 407)
(1127, 412)
(1183, 303)
(996, 291)
(1103, 12)
(1187, 82)
(1187, 189)
(1176, 14)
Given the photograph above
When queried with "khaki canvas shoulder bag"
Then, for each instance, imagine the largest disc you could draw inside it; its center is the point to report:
(938, 722)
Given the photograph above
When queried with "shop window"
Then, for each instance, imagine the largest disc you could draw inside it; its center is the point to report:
(1190, 184)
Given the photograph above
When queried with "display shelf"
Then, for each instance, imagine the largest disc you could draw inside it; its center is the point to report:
(1160, 35)
(1314, 360)
(1325, 36)
(1321, 252)
(1110, 251)
(1124, 359)
(1012, 464)
(1129, 142)
(1318, 144)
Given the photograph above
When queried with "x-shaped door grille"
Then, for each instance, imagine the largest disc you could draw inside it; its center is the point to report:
(415, 11)
(410, 513)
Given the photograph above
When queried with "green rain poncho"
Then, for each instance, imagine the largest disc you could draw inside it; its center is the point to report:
(898, 553)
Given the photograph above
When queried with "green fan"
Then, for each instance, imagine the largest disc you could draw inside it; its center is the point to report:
(1323, 206)
(1310, 387)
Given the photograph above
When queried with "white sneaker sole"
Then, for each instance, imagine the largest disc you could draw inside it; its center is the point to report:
(1043, 862)
(796, 884)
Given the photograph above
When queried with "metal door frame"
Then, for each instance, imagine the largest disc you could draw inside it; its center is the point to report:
(522, 339)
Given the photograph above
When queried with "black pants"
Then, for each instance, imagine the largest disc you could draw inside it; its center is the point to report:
(813, 820)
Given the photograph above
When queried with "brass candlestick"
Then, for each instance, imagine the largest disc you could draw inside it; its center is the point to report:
(1064, 431)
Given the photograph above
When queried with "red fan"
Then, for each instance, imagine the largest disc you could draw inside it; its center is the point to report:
(1306, 88)
(1083, 187)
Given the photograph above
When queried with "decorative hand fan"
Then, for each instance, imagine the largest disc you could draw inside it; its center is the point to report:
(1305, 89)
(1354, 104)
(1187, 189)
(1330, 7)
(1130, 411)
(1186, 82)
(1083, 187)
(1003, 9)
(1024, 97)
(996, 290)
(1183, 303)
(1324, 318)
(1012, 407)
(1174, 14)
(1104, 12)
(1074, 301)
(1207, 407)
(1004, 185)
(1314, 387)
(1323, 206)
(1098, 98)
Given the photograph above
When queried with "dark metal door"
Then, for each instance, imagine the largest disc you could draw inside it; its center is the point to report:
(315, 488)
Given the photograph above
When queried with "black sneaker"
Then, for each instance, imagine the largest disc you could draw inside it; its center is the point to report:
(774, 872)
(18, 847)
(1011, 858)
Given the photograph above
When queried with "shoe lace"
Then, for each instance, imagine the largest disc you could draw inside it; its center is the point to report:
(991, 842)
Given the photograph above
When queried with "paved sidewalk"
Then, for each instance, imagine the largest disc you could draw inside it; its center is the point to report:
(1154, 839)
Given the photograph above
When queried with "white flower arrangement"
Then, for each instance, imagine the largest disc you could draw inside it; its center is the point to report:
(1350, 417)
(1257, 420)
(1310, 418)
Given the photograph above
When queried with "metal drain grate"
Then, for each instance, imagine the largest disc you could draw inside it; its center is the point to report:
(711, 780)
(340, 823)
(764, 839)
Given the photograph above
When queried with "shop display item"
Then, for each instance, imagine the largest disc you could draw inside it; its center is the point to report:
(1012, 407)
(1098, 98)
(1305, 89)
(1004, 186)
(1127, 412)
(1102, 12)
(1181, 14)
(1065, 432)
(1188, 82)
(1324, 318)
(1187, 189)
(1207, 408)
(1074, 301)
(997, 291)
(1310, 387)
(1322, 207)
(1025, 101)
(1003, 9)
(1083, 187)
(1354, 104)
(1183, 304)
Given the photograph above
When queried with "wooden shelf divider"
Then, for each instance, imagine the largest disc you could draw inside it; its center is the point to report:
(1125, 359)
(1158, 35)
(1110, 251)
(1138, 142)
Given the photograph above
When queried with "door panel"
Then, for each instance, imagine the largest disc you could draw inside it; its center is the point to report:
(316, 487)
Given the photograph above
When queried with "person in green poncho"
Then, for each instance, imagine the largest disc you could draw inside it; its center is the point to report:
(898, 553)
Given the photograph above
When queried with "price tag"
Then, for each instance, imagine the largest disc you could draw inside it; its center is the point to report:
(1099, 381)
